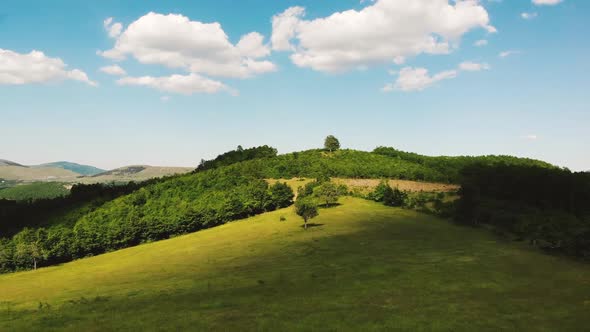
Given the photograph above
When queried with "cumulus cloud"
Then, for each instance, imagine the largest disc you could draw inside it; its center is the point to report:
(473, 66)
(201, 48)
(284, 28)
(417, 79)
(113, 29)
(36, 67)
(528, 16)
(182, 84)
(113, 70)
(481, 42)
(546, 2)
(383, 31)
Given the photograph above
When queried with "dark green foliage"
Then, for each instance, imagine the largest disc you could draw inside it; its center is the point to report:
(307, 209)
(328, 193)
(449, 168)
(394, 197)
(331, 143)
(389, 196)
(34, 191)
(379, 192)
(61, 210)
(548, 207)
(342, 163)
(236, 156)
(307, 189)
(281, 194)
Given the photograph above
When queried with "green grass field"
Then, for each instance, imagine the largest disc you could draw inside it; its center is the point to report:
(362, 267)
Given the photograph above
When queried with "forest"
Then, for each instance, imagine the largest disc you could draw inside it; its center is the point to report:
(547, 207)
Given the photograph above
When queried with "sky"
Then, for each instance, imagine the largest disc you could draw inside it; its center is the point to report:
(114, 83)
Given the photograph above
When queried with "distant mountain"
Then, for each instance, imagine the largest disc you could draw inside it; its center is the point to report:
(4, 162)
(76, 168)
(28, 174)
(135, 173)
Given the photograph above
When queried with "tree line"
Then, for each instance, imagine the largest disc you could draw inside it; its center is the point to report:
(448, 169)
(238, 155)
(549, 207)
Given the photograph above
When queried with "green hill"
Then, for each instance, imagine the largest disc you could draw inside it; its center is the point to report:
(76, 168)
(363, 267)
(185, 203)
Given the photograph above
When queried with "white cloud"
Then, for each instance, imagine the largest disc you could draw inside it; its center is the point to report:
(379, 33)
(480, 43)
(182, 84)
(113, 70)
(473, 66)
(528, 16)
(36, 67)
(417, 79)
(508, 53)
(531, 137)
(204, 48)
(284, 28)
(546, 2)
(164, 99)
(114, 29)
(252, 45)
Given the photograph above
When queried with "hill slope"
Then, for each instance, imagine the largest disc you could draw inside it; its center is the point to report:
(135, 173)
(23, 173)
(4, 162)
(76, 168)
(363, 267)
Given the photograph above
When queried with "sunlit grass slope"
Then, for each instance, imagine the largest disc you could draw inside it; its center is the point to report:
(362, 267)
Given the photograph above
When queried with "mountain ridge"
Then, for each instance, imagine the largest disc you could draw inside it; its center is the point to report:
(74, 167)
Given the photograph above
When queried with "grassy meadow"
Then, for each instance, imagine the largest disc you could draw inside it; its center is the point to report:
(362, 267)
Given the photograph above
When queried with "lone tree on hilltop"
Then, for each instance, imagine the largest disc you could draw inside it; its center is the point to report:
(306, 209)
(331, 143)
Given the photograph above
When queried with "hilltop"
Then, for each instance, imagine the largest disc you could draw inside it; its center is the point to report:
(363, 267)
(74, 167)
(135, 173)
(4, 162)
(31, 174)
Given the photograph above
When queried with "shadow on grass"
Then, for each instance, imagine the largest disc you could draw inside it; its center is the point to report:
(329, 206)
(310, 225)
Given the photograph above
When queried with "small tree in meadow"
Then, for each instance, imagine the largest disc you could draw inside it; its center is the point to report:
(307, 209)
(331, 143)
(327, 193)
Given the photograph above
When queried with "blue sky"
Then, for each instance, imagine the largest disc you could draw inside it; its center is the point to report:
(363, 71)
